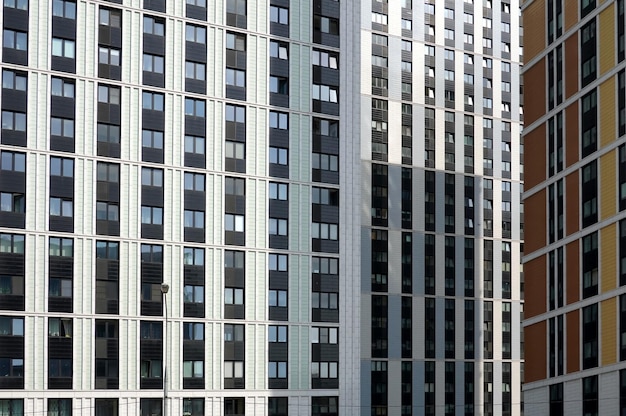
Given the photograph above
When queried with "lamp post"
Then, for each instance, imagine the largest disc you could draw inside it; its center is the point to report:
(164, 289)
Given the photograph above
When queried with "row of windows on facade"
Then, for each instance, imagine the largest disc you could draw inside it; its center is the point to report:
(448, 383)
(232, 406)
(193, 366)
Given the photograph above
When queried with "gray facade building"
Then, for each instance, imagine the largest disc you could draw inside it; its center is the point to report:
(287, 168)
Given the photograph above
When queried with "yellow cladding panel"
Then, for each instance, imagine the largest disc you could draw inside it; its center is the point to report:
(608, 185)
(609, 331)
(608, 258)
(535, 39)
(607, 39)
(607, 112)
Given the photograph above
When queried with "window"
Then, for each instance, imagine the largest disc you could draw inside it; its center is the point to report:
(151, 215)
(152, 177)
(193, 294)
(11, 326)
(407, 45)
(279, 50)
(63, 47)
(12, 243)
(12, 120)
(236, 41)
(487, 43)
(62, 127)
(196, 34)
(153, 63)
(279, 15)
(325, 58)
(60, 207)
(194, 108)
(235, 77)
(379, 18)
(153, 26)
(59, 407)
(468, 18)
(277, 369)
(234, 150)
(325, 162)
(18, 4)
(193, 256)
(279, 120)
(406, 24)
(234, 222)
(153, 101)
(277, 298)
(195, 70)
(61, 247)
(194, 182)
(15, 80)
(12, 202)
(235, 113)
(448, 34)
(278, 226)
(108, 94)
(193, 331)
(279, 191)
(277, 262)
(506, 67)
(108, 172)
(152, 139)
(324, 196)
(233, 296)
(324, 231)
(448, 13)
(111, 17)
(233, 369)
(326, 25)
(468, 38)
(279, 85)
(109, 56)
(321, 335)
(15, 40)
(108, 133)
(324, 369)
(193, 369)
(194, 144)
(487, 63)
(106, 211)
(194, 219)
(234, 259)
(325, 93)
(278, 155)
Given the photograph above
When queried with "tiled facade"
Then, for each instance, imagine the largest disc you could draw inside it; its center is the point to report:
(574, 256)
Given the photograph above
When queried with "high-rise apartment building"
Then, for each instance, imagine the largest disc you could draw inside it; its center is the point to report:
(575, 199)
(260, 207)
(442, 184)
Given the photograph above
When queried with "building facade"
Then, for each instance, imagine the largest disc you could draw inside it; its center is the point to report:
(260, 207)
(574, 250)
(442, 228)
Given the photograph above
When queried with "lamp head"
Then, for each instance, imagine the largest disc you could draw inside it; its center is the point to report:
(165, 288)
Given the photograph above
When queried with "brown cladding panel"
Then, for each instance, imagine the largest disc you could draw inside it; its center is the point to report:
(535, 219)
(535, 98)
(571, 65)
(534, 166)
(572, 203)
(535, 39)
(535, 287)
(571, 14)
(573, 341)
(535, 352)
(572, 272)
(572, 143)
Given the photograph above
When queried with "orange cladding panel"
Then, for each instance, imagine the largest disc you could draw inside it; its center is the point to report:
(535, 287)
(535, 353)
(535, 39)
(535, 98)
(571, 64)
(535, 167)
(573, 341)
(535, 220)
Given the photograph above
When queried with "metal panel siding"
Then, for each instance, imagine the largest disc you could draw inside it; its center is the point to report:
(606, 40)
(535, 40)
(572, 266)
(536, 355)
(608, 334)
(535, 167)
(535, 103)
(607, 101)
(573, 341)
(535, 218)
(608, 186)
(608, 392)
(608, 257)
(571, 63)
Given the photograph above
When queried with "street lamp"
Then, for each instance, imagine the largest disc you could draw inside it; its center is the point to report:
(164, 289)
